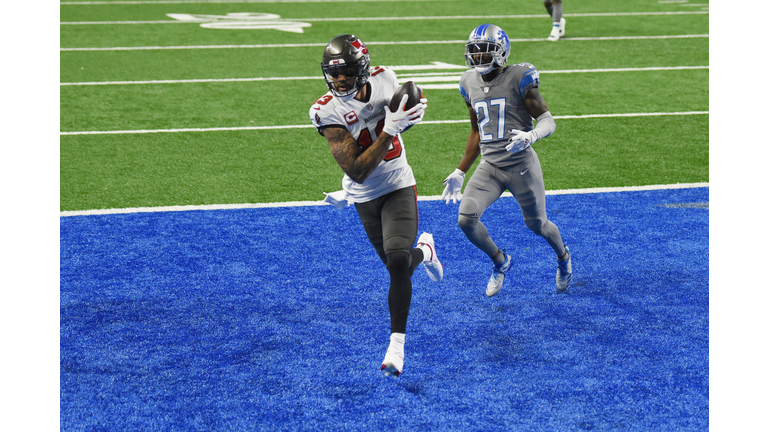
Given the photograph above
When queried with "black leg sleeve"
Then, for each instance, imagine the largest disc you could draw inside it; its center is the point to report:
(400, 289)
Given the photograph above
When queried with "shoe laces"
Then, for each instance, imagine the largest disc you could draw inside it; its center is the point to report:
(497, 270)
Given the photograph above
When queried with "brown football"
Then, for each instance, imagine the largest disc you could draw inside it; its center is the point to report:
(414, 96)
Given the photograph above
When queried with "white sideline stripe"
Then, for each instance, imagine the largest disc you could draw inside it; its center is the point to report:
(322, 203)
(424, 77)
(410, 18)
(90, 3)
(305, 126)
(444, 42)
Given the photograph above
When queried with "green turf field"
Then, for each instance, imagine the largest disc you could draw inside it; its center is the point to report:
(156, 112)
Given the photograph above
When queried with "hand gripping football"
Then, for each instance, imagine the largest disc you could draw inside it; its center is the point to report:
(414, 96)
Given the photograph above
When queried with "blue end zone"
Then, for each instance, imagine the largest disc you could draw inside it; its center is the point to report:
(276, 319)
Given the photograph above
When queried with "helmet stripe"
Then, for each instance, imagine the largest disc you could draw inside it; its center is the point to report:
(482, 29)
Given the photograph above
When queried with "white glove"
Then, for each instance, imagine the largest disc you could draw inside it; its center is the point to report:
(338, 199)
(521, 140)
(400, 120)
(453, 185)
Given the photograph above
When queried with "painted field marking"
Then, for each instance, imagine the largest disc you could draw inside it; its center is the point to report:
(322, 203)
(306, 126)
(243, 21)
(306, 45)
(411, 18)
(91, 3)
(416, 77)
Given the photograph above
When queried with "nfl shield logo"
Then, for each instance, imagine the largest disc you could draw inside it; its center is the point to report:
(485, 89)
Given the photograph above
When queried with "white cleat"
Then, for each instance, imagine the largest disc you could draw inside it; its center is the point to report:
(555, 34)
(394, 359)
(431, 264)
(558, 31)
(497, 277)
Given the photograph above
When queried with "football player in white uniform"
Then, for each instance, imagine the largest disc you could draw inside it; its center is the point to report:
(502, 101)
(555, 10)
(364, 138)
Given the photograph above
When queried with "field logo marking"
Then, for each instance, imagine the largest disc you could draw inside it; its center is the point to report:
(243, 21)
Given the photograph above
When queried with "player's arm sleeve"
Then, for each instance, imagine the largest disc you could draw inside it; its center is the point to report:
(545, 126)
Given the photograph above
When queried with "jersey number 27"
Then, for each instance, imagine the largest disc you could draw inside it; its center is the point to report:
(484, 112)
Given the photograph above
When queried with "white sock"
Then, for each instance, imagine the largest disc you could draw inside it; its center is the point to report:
(427, 252)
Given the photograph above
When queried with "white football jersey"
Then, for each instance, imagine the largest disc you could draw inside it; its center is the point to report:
(364, 121)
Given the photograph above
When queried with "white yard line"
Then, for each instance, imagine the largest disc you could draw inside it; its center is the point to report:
(424, 77)
(407, 18)
(305, 45)
(305, 126)
(101, 3)
(321, 203)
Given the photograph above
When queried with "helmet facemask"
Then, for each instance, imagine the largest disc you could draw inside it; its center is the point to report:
(484, 56)
(356, 76)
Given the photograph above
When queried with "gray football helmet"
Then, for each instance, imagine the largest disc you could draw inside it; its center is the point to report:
(346, 55)
(487, 48)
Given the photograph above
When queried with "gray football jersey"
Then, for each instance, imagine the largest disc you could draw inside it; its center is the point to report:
(499, 107)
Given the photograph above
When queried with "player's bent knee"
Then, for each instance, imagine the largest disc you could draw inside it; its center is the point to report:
(467, 223)
(398, 261)
(535, 225)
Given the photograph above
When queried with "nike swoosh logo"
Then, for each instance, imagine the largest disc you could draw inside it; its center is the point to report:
(523, 172)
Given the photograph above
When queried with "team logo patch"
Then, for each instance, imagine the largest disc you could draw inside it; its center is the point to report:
(350, 118)
(317, 119)
(360, 46)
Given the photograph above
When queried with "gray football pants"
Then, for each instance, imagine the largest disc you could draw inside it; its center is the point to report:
(526, 182)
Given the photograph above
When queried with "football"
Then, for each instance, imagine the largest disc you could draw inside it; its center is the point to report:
(414, 96)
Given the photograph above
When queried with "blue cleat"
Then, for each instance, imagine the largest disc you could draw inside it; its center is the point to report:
(564, 273)
(497, 277)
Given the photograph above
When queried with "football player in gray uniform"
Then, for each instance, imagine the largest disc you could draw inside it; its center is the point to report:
(502, 101)
(555, 10)
(364, 138)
